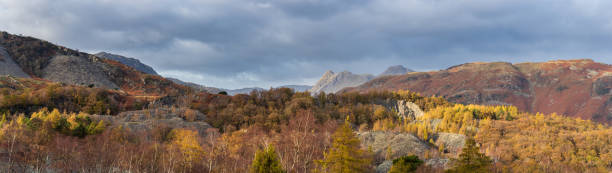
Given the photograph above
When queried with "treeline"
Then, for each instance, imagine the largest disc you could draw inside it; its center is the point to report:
(270, 109)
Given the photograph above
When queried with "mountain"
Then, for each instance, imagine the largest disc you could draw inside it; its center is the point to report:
(332, 82)
(130, 62)
(396, 70)
(42, 59)
(297, 88)
(576, 88)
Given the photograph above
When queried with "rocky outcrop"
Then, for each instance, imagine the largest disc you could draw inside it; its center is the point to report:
(384, 167)
(131, 62)
(77, 71)
(396, 70)
(409, 110)
(575, 88)
(332, 82)
(401, 144)
(453, 143)
(9, 67)
(166, 117)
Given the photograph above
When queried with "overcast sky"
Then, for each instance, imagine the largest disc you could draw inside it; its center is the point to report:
(243, 43)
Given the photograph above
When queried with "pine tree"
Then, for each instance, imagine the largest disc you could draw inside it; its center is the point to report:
(266, 161)
(345, 155)
(405, 164)
(471, 160)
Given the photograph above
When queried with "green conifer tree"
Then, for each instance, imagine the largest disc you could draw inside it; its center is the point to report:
(405, 164)
(266, 161)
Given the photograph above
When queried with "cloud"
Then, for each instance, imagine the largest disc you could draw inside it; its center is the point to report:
(240, 43)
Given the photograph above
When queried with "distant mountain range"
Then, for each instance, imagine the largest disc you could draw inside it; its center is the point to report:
(198, 87)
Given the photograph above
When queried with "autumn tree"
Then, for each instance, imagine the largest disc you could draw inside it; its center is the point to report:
(345, 155)
(471, 160)
(266, 161)
(187, 143)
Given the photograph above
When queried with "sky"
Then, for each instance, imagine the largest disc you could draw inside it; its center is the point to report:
(263, 43)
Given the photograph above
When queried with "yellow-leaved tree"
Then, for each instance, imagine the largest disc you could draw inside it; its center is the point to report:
(188, 144)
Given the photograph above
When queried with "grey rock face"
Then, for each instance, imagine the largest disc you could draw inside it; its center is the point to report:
(9, 67)
(396, 70)
(332, 82)
(401, 144)
(452, 142)
(384, 167)
(77, 71)
(406, 109)
(439, 163)
(130, 62)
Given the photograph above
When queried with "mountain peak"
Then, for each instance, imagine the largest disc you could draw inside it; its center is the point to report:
(396, 70)
(332, 82)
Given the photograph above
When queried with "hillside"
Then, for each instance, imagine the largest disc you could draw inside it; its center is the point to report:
(44, 60)
(576, 88)
(130, 62)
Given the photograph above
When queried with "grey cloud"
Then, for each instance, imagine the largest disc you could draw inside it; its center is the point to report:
(239, 43)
